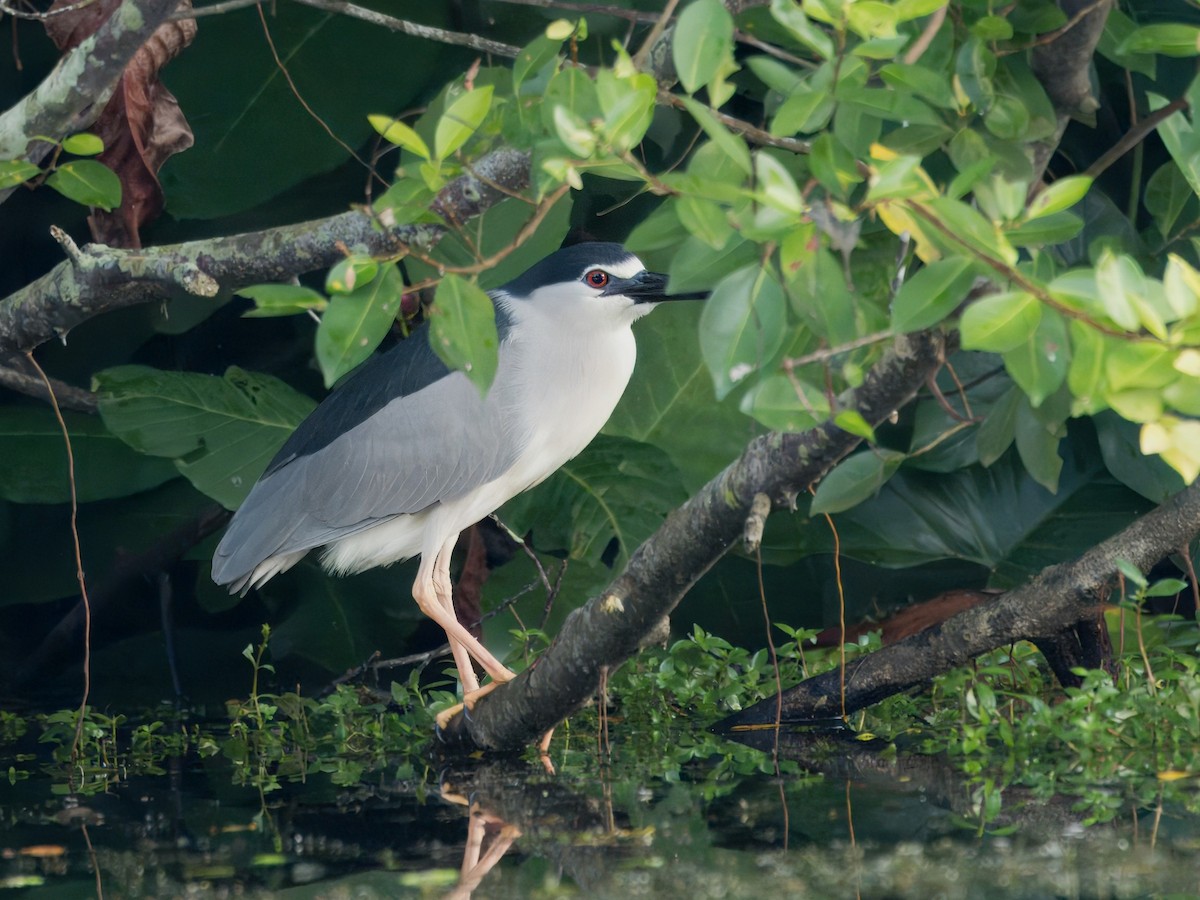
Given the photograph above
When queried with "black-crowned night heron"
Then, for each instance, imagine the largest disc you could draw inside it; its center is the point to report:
(405, 454)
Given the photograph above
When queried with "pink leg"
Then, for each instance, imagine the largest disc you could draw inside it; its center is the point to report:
(432, 591)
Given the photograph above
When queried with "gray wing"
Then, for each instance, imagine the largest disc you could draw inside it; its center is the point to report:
(435, 444)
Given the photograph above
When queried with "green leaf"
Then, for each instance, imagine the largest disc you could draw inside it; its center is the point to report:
(1059, 195)
(574, 133)
(281, 299)
(351, 273)
(83, 144)
(669, 399)
(852, 421)
(1046, 231)
(462, 330)
(616, 489)
(1038, 447)
(996, 433)
(833, 165)
(730, 144)
(628, 105)
(704, 219)
(789, 14)
(696, 266)
(932, 294)
(88, 182)
(975, 65)
(854, 480)
(35, 459)
(1000, 322)
(396, 132)
(803, 112)
(703, 40)
(534, 56)
(221, 431)
(786, 404)
(1166, 39)
(1123, 457)
(462, 119)
(16, 171)
(742, 326)
(1039, 366)
(355, 322)
(1167, 193)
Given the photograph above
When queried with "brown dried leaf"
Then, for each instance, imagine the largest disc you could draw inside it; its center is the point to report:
(142, 125)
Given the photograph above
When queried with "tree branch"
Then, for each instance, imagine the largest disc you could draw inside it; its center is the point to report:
(609, 629)
(96, 279)
(1059, 597)
(75, 91)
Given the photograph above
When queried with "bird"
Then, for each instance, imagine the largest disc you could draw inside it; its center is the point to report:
(406, 453)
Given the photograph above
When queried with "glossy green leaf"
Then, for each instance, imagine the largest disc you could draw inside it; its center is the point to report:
(789, 14)
(669, 401)
(786, 404)
(462, 330)
(1039, 366)
(854, 480)
(703, 39)
(1120, 447)
(83, 144)
(741, 327)
(1167, 193)
(1167, 39)
(804, 111)
(628, 105)
(221, 431)
(462, 119)
(88, 182)
(852, 421)
(696, 266)
(35, 459)
(1056, 228)
(975, 65)
(534, 56)
(355, 322)
(16, 171)
(1059, 195)
(350, 274)
(705, 220)
(1037, 446)
(996, 433)
(1000, 322)
(396, 132)
(281, 299)
(932, 294)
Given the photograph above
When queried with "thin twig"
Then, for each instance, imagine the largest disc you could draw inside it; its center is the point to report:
(415, 29)
(283, 69)
(69, 396)
(1051, 36)
(829, 352)
(921, 44)
(43, 16)
(752, 133)
(1134, 136)
(660, 25)
(83, 594)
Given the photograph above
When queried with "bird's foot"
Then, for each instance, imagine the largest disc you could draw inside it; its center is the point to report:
(470, 698)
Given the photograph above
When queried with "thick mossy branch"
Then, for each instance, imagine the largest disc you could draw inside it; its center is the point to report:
(75, 91)
(1059, 597)
(96, 279)
(609, 629)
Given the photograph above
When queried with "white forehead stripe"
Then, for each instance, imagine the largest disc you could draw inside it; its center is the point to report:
(626, 268)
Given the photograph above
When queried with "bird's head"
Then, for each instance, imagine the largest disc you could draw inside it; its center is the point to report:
(594, 281)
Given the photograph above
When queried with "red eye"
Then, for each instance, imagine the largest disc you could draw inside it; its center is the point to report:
(597, 278)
